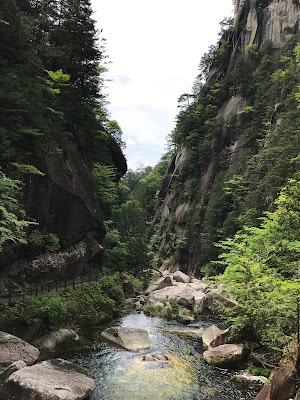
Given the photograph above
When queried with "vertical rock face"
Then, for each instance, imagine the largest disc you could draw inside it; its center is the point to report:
(62, 202)
(272, 21)
(257, 25)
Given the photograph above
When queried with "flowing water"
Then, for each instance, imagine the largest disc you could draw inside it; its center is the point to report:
(122, 375)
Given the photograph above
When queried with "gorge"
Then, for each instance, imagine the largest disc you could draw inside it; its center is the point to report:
(222, 206)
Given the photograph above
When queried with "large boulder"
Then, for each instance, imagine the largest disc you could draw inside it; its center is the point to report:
(226, 355)
(50, 380)
(181, 277)
(161, 283)
(182, 293)
(212, 304)
(213, 336)
(13, 349)
(49, 342)
(131, 339)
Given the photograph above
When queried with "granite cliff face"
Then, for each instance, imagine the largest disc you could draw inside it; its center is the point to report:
(258, 25)
(62, 202)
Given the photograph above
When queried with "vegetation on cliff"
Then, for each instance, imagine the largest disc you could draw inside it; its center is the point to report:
(52, 108)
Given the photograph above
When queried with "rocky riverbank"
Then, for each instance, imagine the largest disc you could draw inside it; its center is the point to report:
(27, 378)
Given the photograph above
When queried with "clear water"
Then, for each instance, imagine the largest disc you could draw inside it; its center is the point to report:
(122, 375)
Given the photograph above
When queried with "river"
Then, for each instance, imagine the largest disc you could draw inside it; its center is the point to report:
(122, 375)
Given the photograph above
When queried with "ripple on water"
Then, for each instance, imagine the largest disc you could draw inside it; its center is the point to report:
(122, 375)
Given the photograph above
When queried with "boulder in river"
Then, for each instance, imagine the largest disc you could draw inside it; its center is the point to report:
(131, 339)
(181, 277)
(182, 293)
(13, 349)
(49, 342)
(50, 380)
(213, 336)
(226, 355)
(161, 283)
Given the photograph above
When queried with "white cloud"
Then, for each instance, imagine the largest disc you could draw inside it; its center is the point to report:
(155, 48)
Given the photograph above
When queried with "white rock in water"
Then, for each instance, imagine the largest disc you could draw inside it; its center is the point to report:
(182, 293)
(224, 355)
(131, 339)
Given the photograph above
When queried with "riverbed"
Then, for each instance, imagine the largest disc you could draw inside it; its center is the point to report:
(122, 375)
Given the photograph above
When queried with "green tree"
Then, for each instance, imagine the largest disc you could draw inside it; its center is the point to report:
(263, 271)
(12, 222)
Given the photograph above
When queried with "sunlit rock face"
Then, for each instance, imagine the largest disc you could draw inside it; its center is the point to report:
(257, 23)
(267, 21)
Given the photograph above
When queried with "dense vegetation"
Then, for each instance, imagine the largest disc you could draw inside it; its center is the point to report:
(51, 67)
(249, 216)
(244, 227)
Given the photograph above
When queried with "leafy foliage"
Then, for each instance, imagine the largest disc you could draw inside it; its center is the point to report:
(12, 224)
(262, 272)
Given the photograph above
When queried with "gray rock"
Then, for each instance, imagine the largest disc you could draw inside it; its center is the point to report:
(182, 293)
(212, 303)
(225, 355)
(13, 349)
(15, 366)
(131, 339)
(50, 380)
(213, 336)
(161, 283)
(181, 277)
(49, 342)
(198, 285)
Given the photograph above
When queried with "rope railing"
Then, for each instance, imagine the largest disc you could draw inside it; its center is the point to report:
(33, 290)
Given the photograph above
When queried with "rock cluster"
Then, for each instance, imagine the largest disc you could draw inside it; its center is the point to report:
(24, 379)
(48, 380)
(193, 295)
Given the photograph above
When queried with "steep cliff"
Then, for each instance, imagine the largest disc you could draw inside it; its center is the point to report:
(237, 139)
(54, 128)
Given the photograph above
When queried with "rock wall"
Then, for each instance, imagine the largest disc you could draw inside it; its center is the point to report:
(62, 202)
(256, 22)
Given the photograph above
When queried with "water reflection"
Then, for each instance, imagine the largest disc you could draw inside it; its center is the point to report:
(122, 375)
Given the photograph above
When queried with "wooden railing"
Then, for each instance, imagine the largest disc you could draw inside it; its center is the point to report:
(17, 295)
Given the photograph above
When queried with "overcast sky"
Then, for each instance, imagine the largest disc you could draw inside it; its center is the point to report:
(155, 48)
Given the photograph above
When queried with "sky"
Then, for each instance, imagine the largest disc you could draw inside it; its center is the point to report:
(154, 48)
